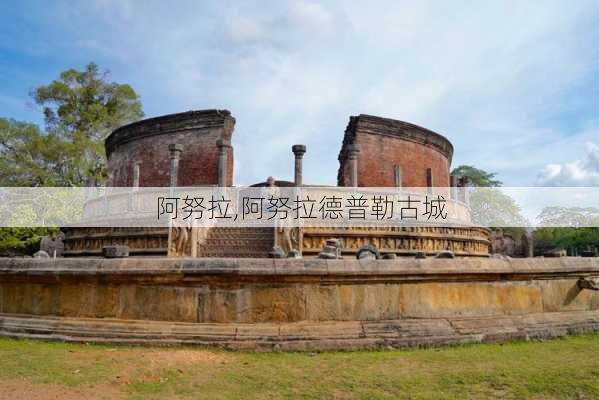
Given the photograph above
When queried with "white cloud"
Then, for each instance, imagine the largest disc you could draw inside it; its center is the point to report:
(243, 30)
(504, 81)
(311, 16)
(583, 172)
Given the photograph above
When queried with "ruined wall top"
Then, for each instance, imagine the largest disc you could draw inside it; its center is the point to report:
(392, 153)
(169, 124)
(139, 154)
(400, 129)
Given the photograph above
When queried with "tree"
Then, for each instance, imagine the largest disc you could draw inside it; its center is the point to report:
(80, 109)
(572, 239)
(28, 157)
(569, 216)
(491, 207)
(574, 229)
(477, 177)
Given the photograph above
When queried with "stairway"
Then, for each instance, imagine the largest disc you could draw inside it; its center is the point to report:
(237, 242)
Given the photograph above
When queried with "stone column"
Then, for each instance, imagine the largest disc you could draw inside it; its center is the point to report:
(133, 201)
(223, 146)
(352, 155)
(397, 176)
(298, 150)
(527, 243)
(136, 169)
(175, 151)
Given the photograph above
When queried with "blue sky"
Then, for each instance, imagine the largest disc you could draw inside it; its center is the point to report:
(514, 85)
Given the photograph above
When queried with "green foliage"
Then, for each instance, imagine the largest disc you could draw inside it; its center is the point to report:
(573, 229)
(81, 108)
(570, 216)
(492, 207)
(44, 207)
(29, 157)
(477, 177)
(17, 241)
(572, 239)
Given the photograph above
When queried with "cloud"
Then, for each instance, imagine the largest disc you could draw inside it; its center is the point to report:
(509, 83)
(583, 172)
(244, 30)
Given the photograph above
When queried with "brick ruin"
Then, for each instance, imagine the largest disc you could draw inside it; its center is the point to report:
(139, 154)
(393, 153)
(291, 304)
(194, 149)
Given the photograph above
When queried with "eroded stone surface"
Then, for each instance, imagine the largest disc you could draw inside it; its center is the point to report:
(293, 290)
(307, 335)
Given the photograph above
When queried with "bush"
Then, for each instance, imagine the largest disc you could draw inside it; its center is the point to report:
(22, 241)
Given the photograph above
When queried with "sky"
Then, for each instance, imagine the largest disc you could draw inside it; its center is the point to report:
(513, 85)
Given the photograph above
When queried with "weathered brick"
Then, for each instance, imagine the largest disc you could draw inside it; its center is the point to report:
(385, 143)
(146, 142)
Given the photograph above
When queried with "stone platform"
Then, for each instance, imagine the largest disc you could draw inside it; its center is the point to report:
(295, 304)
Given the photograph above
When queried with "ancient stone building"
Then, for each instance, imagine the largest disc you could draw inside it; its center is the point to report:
(289, 304)
(139, 154)
(393, 153)
(193, 149)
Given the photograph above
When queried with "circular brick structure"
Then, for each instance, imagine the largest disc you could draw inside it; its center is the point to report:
(147, 146)
(141, 154)
(376, 152)
(388, 148)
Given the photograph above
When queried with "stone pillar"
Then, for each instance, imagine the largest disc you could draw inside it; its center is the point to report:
(175, 151)
(527, 244)
(298, 150)
(397, 176)
(352, 155)
(429, 179)
(136, 169)
(133, 201)
(223, 146)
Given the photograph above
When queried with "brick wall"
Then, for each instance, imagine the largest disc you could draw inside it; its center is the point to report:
(147, 143)
(385, 143)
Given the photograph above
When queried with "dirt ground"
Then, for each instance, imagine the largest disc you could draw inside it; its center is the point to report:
(140, 365)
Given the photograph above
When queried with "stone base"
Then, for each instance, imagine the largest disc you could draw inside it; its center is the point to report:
(297, 304)
(257, 242)
(306, 335)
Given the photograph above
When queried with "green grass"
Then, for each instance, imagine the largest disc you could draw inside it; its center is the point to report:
(565, 368)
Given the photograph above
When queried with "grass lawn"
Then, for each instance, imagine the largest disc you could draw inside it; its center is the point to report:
(558, 369)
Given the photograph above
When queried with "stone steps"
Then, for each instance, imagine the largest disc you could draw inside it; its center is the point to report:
(306, 335)
(237, 242)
